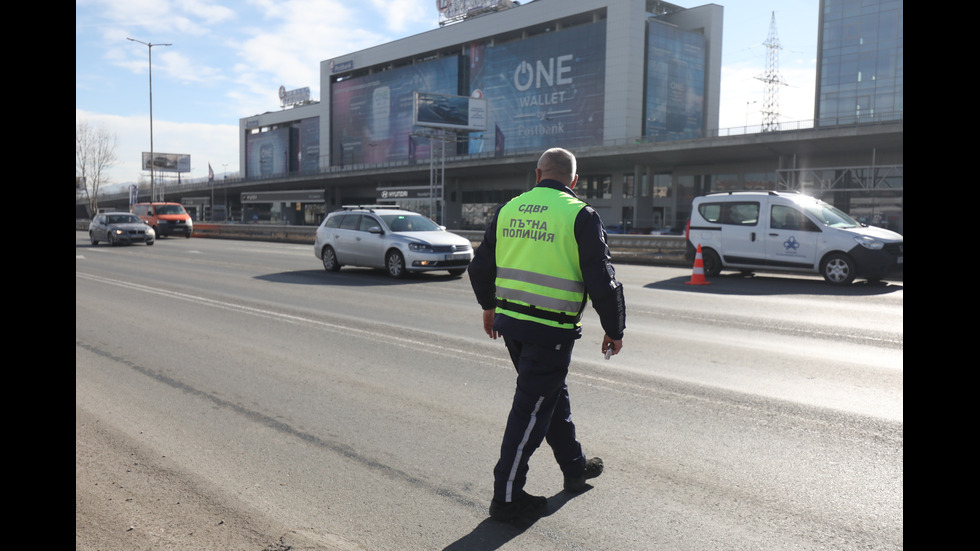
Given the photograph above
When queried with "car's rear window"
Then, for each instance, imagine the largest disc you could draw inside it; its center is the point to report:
(736, 213)
(350, 221)
(334, 221)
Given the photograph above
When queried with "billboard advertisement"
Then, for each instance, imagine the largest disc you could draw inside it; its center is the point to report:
(455, 112)
(371, 116)
(547, 90)
(268, 153)
(308, 144)
(167, 162)
(674, 102)
(293, 148)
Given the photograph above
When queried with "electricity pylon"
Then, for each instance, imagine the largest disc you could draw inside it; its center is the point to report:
(770, 103)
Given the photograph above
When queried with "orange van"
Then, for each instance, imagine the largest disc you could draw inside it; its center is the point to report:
(165, 218)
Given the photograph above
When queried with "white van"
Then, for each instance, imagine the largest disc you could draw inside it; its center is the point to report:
(785, 231)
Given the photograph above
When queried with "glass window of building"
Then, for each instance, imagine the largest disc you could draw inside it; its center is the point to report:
(760, 181)
(684, 186)
(724, 182)
(662, 185)
(597, 187)
(628, 186)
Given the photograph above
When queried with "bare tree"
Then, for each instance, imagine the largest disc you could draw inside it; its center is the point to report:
(95, 154)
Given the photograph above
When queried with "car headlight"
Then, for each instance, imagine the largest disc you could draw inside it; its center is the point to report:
(869, 242)
(420, 247)
(117, 231)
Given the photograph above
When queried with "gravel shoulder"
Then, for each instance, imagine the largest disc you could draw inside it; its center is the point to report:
(127, 497)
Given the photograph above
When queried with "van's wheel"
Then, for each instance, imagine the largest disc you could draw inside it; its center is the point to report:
(838, 269)
(329, 258)
(711, 262)
(395, 263)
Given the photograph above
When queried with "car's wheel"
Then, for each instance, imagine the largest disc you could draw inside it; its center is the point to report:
(329, 258)
(711, 261)
(110, 239)
(395, 264)
(838, 269)
(188, 236)
(150, 243)
(92, 238)
(457, 271)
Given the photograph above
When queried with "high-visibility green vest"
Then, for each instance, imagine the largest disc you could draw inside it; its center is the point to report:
(538, 274)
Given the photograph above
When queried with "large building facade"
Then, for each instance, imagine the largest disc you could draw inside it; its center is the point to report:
(631, 86)
(860, 62)
(580, 74)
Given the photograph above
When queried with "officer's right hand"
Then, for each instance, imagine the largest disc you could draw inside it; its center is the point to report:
(488, 323)
(608, 343)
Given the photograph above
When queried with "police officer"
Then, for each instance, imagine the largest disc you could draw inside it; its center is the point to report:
(543, 256)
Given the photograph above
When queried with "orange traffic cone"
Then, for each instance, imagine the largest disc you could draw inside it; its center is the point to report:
(697, 278)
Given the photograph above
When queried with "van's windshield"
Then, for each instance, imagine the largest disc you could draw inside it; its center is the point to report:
(171, 209)
(831, 216)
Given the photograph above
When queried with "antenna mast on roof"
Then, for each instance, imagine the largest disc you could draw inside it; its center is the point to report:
(770, 104)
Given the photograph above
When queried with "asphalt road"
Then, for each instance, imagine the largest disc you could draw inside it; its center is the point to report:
(279, 406)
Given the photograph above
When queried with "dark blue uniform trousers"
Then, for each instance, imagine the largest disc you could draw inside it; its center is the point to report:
(541, 410)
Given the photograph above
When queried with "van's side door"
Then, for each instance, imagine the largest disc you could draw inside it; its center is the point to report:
(742, 239)
(791, 239)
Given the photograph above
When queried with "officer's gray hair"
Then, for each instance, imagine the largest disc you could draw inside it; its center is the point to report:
(558, 163)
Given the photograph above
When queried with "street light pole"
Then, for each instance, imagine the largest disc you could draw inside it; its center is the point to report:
(224, 189)
(149, 48)
(747, 104)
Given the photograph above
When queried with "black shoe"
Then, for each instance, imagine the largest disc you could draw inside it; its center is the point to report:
(593, 468)
(524, 508)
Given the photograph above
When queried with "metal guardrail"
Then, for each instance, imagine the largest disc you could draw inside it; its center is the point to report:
(629, 249)
(626, 248)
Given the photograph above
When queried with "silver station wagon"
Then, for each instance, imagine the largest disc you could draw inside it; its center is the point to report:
(387, 237)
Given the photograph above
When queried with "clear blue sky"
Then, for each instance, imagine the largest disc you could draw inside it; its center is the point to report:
(229, 58)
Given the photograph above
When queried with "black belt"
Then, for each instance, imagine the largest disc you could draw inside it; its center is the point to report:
(531, 310)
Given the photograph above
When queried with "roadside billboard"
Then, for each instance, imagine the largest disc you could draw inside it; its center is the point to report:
(167, 162)
(453, 112)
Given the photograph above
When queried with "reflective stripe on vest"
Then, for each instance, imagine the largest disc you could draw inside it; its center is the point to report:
(543, 301)
(538, 274)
